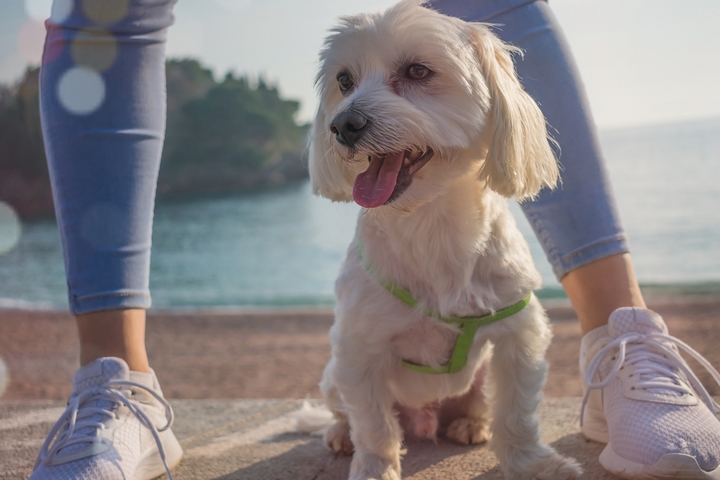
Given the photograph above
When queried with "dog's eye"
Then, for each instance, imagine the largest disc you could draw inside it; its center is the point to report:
(345, 81)
(417, 72)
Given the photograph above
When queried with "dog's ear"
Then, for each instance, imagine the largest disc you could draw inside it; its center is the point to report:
(519, 159)
(330, 177)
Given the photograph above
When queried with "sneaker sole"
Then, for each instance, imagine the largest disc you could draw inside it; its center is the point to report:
(671, 466)
(151, 465)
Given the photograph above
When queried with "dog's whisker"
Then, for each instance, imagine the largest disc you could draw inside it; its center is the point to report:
(327, 153)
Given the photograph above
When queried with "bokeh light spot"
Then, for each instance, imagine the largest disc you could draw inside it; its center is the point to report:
(4, 376)
(81, 91)
(105, 12)
(53, 48)
(30, 41)
(104, 226)
(10, 228)
(61, 10)
(38, 9)
(94, 49)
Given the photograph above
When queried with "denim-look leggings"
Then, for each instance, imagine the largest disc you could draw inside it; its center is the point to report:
(103, 111)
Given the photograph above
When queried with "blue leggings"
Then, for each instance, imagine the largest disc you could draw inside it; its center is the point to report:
(103, 112)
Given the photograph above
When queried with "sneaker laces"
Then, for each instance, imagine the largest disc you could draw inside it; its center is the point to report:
(78, 416)
(657, 363)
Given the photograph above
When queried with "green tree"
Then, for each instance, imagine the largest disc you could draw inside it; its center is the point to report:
(21, 147)
(186, 79)
(223, 136)
(24, 180)
(226, 139)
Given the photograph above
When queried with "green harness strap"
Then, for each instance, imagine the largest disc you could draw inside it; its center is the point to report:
(468, 325)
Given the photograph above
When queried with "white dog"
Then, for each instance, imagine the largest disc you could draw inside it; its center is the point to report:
(423, 122)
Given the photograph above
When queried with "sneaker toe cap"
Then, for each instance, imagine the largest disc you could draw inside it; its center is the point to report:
(663, 429)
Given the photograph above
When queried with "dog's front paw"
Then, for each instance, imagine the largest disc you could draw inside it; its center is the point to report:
(556, 467)
(549, 465)
(368, 466)
(468, 431)
(337, 438)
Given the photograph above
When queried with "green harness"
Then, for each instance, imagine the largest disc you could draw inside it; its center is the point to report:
(468, 325)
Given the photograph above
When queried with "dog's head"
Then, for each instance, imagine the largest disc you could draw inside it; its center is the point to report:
(410, 99)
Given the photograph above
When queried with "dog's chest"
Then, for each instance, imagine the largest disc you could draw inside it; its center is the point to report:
(427, 342)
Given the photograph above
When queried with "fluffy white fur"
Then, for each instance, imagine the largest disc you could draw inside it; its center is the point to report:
(448, 238)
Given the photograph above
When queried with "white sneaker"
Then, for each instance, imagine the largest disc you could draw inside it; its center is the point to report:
(642, 399)
(116, 426)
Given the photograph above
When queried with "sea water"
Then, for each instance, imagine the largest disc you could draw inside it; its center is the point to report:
(284, 247)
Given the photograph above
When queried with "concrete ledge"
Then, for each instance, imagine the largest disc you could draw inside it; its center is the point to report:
(253, 440)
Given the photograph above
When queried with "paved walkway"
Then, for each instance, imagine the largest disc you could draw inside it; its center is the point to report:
(222, 357)
(254, 440)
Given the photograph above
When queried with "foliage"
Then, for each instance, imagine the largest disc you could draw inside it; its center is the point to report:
(24, 181)
(186, 79)
(233, 125)
(221, 136)
(21, 147)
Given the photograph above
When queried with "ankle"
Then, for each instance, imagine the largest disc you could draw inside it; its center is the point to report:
(114, 333)
(600, 287)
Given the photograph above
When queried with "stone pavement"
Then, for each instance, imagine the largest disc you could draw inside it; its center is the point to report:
(254, 440)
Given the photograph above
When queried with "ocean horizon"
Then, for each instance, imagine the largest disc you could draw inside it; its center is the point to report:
(283, 247)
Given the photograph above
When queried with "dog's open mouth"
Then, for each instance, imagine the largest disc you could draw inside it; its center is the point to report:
(388, 176)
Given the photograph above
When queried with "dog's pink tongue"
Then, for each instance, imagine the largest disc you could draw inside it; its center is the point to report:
(374, 186)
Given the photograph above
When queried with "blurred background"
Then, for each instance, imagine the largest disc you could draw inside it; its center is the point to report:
(236, 224)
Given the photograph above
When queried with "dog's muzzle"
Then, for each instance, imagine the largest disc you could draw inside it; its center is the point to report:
(348, 127)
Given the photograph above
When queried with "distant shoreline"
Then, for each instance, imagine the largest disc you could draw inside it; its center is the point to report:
(551, 298)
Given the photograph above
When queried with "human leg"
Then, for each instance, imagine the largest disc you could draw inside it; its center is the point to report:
(653, 413)
(103, 113)
(577, 223)
(114, 333)
(598, 288)
(655, 417)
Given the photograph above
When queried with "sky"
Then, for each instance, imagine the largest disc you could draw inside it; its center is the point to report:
(642, 61)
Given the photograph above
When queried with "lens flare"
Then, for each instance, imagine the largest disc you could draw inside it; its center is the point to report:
(30, 41)
(38, 9)
(10, 228)
(94, 49)
(4, 377)
(61, 10)
(81, 91)
(105, 12)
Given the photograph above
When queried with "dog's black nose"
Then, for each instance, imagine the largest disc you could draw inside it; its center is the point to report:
(348, 127)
